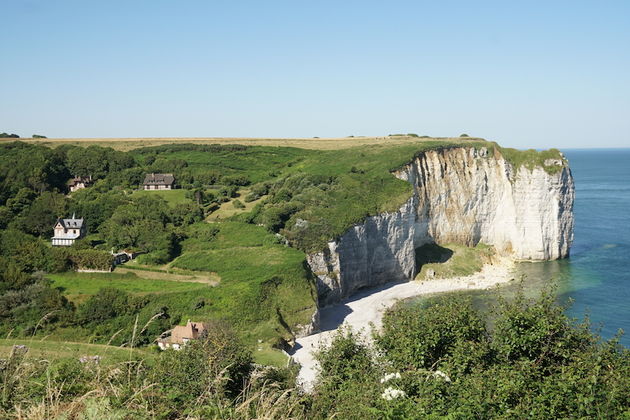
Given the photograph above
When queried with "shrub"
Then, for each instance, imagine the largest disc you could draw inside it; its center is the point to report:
(229, 191)
(348, 379)
(238, 204)
(219, 363)
(538, 331)
(9, 136)
(431, 335)
(91, 259)
(106, 304)
(251, 197)
(238, 180)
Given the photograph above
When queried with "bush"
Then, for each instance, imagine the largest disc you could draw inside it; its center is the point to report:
(229, 191)
(238, 205)
(91, 259)
(539, 332)
(431, 335)
(9, 136)
(219, 363)
(251, 197)
(239, 180)
(348, 379)
(106, 304)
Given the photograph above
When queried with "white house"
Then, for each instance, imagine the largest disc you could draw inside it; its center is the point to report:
(67, 231)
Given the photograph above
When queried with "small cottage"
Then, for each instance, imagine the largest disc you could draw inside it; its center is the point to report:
(66, 231)
(180, 335)
(79, 182)
(159, 182)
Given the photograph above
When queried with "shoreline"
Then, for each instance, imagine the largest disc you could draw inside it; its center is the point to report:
(367, 307)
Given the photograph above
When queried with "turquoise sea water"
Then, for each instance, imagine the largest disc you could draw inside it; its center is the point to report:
(597, 274)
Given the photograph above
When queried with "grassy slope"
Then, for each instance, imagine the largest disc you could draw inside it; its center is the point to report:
(78, 286)
(56, 349)
(260, 279)
(259, 163)
(173, 197)
(265, 286)
(532, 158)
(451, 260)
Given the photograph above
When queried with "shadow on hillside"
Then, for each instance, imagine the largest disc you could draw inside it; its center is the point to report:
(432, 253)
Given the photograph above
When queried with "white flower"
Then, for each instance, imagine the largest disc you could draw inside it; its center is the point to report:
(442, 375)
(390, 376)
(392, 393)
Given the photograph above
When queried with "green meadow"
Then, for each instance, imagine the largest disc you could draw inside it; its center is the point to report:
(78, 286)
(39, 348)
(173, 197)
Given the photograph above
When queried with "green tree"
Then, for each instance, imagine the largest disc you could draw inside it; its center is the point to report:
(39, 218)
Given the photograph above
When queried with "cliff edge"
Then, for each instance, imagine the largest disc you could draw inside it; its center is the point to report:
(465, 195)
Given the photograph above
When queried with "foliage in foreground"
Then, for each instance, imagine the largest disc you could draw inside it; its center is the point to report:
(435, 361)
(443, 361)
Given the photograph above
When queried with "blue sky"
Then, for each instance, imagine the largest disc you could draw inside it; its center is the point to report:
(532, 74)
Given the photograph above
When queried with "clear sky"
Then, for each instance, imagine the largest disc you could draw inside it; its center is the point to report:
(526, 74)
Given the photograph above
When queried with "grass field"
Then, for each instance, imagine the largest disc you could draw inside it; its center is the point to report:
(79, 286)
(264, 290)
(303, 143)
(45, 349)
(168, 273)
(227, 209)
(173, 197)
(261, 280)
(451, 260)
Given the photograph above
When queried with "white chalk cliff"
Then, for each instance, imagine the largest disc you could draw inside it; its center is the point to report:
(460, 195)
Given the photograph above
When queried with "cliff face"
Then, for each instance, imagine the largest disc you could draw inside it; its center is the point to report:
(461, 195)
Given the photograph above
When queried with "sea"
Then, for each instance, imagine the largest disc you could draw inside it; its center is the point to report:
(595, 280)
(597, 274)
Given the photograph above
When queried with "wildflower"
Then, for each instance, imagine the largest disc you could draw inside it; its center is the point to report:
(442, 375)
(392, 393)
(390, 376)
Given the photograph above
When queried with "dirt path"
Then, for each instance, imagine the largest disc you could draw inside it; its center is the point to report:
(209, 278)
(367, 308)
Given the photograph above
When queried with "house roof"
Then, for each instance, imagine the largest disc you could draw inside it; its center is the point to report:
(70, 223)
(159, 179)
(190, 331)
